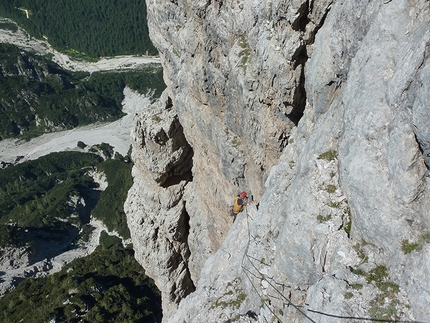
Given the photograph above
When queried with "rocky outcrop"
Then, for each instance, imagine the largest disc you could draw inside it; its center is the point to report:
(13, 258)
(320, 108)
(156, 208)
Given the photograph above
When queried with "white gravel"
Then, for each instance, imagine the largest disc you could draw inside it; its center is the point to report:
(116, 133)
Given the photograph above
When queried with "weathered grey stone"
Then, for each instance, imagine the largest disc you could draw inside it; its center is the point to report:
(12, 258)
(319, 108)
(156, 214)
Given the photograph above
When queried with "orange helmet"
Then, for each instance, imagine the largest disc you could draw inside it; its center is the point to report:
(243, 195)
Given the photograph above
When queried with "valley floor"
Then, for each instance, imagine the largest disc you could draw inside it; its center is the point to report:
(116, 134)
(21, 39)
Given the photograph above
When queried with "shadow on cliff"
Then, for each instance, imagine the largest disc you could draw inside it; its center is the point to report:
(176, 179)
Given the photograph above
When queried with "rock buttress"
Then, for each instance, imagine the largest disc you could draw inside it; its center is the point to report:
(156, 210)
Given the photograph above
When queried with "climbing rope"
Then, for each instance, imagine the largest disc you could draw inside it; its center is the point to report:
(246, 271)
(261, 276)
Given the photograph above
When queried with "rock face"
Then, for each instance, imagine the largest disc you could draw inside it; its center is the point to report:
(321, 110)
(156, 207)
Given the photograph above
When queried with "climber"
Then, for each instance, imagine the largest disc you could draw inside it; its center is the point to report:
(239, 202)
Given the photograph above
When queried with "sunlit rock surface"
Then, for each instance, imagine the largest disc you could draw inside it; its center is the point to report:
(320, 109)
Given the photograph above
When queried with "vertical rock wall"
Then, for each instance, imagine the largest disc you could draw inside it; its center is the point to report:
(320, 109)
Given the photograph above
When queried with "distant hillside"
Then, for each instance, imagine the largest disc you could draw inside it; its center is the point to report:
(95, 28)
(107, 286)
(37, 96)
(45, 209)
(38, 193)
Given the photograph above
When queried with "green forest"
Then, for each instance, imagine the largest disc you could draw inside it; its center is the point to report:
(38, 96)
(107, 286)
(50, 201)
(35, 194)
(97, 28)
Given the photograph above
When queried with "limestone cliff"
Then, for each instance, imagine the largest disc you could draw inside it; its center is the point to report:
(320, 109)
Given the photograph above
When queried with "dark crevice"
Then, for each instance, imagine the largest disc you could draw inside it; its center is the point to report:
(295, 108)
(155, 234)
(283, 141)
(419, 145)
(318, 26)
(185, 285)
(300, 56)
(161, 138)
(190, 287)
(169, 103)
(176, 179)
(424, 152)
(299, 99)
(179, 170)
(186, 226)
(302, 20)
